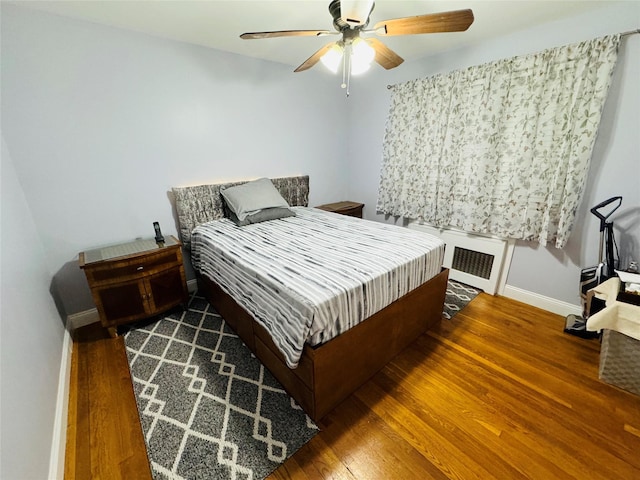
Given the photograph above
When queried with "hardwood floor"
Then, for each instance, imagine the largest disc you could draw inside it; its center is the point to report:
(104, 436)
(499, 392)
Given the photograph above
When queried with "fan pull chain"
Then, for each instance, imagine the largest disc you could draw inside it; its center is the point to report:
(346, 68)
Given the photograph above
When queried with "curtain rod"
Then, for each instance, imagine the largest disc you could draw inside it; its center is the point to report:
(623, 34)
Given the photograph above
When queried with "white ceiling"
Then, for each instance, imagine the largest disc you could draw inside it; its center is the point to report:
(218, 24)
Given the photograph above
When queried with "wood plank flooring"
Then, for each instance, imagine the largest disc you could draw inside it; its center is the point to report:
(498, 392)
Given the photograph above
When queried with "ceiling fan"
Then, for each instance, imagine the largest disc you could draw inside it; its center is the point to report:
(350, 20)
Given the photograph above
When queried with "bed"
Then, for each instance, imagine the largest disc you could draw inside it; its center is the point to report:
(326, 368)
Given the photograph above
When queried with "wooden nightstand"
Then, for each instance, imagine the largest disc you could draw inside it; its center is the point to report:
(353, 209)
(135, 280)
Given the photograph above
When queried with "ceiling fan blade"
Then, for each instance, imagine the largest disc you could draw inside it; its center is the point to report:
(315, 58)
(384, 55)
(454, 21)
(285, 33)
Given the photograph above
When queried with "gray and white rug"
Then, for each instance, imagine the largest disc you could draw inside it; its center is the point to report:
(457, 297)
(208, 408)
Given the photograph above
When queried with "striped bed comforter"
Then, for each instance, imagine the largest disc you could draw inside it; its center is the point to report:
(311, 277)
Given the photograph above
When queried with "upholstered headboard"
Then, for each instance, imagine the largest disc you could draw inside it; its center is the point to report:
(203, 203)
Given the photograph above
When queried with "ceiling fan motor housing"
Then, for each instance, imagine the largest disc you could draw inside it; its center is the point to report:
(341, 24)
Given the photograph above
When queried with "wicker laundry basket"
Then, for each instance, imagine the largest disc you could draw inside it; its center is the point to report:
(620, 361)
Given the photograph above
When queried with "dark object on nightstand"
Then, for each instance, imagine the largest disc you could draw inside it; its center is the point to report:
(353, 209)
(159, 237)
(135, 280)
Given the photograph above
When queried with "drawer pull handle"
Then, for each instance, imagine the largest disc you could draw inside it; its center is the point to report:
(140, 268)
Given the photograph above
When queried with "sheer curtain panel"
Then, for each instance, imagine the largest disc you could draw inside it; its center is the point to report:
(502, 148)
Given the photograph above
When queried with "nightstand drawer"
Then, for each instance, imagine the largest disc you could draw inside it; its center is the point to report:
(134, 268)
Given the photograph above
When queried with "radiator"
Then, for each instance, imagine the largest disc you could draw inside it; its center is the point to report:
(477, 260)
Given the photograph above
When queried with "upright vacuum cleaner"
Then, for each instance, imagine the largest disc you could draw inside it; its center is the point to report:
(593, 276)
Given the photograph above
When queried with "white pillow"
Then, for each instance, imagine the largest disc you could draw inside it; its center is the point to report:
(251, 197)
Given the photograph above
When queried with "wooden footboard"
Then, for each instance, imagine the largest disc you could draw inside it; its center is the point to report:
(329, 373)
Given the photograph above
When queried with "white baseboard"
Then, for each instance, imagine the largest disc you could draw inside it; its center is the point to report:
(59, 440)
(546, 303)
(82, 319)
(192, 285)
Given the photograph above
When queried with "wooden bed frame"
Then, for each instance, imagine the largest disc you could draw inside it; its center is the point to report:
(329, 373)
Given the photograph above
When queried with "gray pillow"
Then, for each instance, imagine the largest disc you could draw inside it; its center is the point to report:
(251, 197)
(262, 216)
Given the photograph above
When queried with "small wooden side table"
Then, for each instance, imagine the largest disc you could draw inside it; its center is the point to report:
(353, 209)
(135, 280)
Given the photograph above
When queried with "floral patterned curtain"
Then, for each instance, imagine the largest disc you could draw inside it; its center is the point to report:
(502, 148)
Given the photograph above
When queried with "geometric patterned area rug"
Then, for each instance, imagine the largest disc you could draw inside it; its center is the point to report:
(457, 297)
(208, 408)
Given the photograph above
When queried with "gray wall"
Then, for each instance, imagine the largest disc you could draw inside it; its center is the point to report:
(31, 334)
(615, 169)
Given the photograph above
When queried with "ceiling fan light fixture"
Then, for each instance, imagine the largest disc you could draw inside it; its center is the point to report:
(333, 58)
(362, 54)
